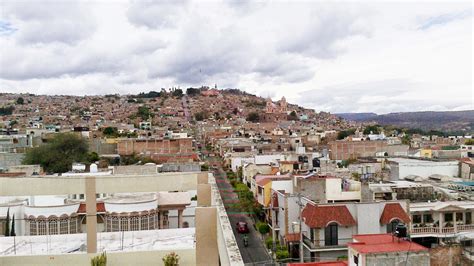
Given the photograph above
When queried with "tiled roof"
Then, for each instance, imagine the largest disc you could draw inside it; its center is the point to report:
(393, 211)
(383, 243)
(263, 182)
(320, 216)
(292, 237)
(100, 208)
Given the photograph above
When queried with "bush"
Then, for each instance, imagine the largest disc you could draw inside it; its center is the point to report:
(282, 254)
(269, 243)
(253, 117)
(99, 260)
(263, 228)
(171, 259)
(58, 155)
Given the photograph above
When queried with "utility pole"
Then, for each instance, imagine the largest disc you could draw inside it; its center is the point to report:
(272, 212)
(301, 231)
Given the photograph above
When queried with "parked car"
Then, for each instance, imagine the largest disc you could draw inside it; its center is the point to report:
(242, 227)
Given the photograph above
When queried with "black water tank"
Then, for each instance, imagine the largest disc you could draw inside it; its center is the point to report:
(401, 231)
(316, 162)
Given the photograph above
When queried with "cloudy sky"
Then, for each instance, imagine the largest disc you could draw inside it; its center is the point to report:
(354, 56)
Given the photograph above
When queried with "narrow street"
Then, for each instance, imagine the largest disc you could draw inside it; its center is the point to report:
(255, 253)
(184, 101)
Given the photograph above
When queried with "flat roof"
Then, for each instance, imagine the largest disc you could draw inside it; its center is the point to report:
(383, 243)
(164, 239)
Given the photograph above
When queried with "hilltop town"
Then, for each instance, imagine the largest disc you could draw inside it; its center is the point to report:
(298, 185)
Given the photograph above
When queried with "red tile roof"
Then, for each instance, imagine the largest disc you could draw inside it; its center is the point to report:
(292, 237)
(100, 207)
(321, 216)
(263, 182)
(393, 211)
(323, 263)
(383, 243)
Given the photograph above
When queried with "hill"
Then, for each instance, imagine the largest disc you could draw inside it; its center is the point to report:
(449, 121)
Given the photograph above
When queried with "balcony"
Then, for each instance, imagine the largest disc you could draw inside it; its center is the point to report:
(319, 245)
(430, 230)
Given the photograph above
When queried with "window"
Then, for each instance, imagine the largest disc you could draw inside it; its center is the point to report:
(73, 225)
(33, 228)
(53, 227)
(331, 235)
(124, 224)
(427, 218)
(468, 218)
(448, 217)
(459, 217)
(42, 227)
(63, 226)
(115, 224)
(392, 226)
(144, 222)
(416, 218)
(134, 223)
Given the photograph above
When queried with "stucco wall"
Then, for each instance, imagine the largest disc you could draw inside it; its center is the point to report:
(187, 257)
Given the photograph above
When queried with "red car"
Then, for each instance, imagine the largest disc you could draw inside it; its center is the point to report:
(242, 228)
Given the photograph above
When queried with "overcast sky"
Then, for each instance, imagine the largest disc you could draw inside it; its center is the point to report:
(369, 56)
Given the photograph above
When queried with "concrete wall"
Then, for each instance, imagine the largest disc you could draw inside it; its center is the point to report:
(10, 159)
(425, 168)
(229, 253)
(187, 257)
(447, 255)
(413, 259)
(236, 162)
(57, 185)
(135, 169)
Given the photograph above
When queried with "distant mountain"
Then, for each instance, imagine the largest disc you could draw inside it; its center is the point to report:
(428, 120)
(357, 116)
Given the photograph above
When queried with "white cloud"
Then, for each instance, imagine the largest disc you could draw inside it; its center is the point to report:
(337, 57)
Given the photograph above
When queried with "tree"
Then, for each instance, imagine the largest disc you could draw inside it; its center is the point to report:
(192, 91)
(293, 116)
(58, 155)
(7, 223)
(144, 113)
(7, 110)
(110, 132)
(200, 116)
(374, 129)
(12, 231)
(263, 228)
(253, 117)
(345, 133)
(92, 157)
(178, 93)
(20, 100)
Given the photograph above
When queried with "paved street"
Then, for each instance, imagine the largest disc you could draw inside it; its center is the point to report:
(255, 253)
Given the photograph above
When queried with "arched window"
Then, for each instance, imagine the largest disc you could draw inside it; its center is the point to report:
(124, 222)
(331, 235)
(74, 224)
(42, 225)
(115, 224)
(53, 225)
(64, 224)
(392, 226)
(33, 226)
(134, 222)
